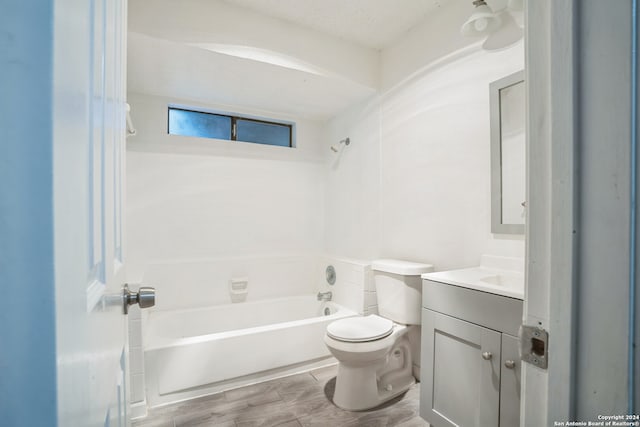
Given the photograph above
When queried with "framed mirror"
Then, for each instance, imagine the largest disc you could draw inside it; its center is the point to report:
(508, 148)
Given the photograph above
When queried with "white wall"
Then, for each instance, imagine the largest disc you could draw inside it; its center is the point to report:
(435, 194)
(415, 183)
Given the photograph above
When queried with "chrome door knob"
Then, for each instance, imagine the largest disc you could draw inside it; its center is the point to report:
(487, 355)
(510, 364)
(145, 297)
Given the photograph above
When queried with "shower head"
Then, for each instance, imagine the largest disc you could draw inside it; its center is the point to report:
(335, 147)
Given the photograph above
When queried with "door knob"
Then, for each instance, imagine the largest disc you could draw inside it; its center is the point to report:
(145, 297)
(487, 355)
(510, 364)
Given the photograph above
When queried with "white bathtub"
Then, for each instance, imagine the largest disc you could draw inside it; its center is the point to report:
(190, 349)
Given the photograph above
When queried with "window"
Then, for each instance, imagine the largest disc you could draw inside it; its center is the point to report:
(194, 123)
(232, 128)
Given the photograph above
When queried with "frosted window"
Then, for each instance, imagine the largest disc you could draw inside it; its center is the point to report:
(194, 123)
(263, 133)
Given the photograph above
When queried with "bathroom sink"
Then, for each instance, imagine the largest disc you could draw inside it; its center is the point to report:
(500, 282)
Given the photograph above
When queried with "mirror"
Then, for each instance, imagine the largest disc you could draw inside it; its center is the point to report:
(508, 144)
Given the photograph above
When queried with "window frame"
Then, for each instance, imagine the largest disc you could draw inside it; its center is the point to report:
(234, 118)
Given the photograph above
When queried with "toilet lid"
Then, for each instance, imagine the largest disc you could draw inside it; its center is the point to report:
(358, 329)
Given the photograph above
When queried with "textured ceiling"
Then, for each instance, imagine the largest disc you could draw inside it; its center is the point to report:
(372, 23)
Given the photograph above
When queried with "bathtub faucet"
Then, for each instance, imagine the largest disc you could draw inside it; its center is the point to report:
(324, 296)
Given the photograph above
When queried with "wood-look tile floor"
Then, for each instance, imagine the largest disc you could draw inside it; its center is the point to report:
(296, 401)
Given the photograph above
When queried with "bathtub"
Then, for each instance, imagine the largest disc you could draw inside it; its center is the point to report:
(199, 348)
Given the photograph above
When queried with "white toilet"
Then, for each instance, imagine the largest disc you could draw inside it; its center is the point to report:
(374, 352)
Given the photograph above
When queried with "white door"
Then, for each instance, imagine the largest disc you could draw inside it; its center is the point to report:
(89, 116)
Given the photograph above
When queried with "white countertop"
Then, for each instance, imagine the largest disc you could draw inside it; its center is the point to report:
(501, 282)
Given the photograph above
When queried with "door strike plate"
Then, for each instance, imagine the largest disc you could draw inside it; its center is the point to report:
(534, 345)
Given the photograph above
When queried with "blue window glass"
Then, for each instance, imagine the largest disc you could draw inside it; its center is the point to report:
(194, 123)
(263, 133)
(229, 127)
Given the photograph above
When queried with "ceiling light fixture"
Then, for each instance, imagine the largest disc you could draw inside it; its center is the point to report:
(482, 22)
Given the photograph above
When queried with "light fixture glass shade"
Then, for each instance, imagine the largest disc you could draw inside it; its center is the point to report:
(482, 22)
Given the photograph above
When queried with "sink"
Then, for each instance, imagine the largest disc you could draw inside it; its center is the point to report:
(500, 282)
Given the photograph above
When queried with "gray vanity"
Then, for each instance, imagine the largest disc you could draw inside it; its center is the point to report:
(470, 372)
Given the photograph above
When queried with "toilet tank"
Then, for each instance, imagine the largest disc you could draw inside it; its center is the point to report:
(399, 289)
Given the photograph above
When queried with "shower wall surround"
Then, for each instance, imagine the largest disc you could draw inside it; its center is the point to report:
(194, 283)
(194, 200)
(352, 209)
(353, 287)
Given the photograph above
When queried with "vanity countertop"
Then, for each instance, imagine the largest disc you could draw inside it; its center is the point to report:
(501, 282)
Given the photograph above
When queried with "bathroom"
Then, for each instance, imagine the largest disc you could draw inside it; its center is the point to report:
(368, 245)
(203, 214)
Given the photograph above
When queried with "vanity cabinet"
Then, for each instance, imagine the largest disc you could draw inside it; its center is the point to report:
(470, 370)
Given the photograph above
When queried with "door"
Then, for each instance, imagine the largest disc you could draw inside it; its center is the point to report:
(460, 372)
(89, 119)
(62, 115)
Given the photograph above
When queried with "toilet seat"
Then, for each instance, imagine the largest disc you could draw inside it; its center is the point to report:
(360, 329)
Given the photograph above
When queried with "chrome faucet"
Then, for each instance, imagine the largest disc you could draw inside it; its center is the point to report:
(324, 296)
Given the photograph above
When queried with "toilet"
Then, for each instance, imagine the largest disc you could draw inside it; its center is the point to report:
(374, 351)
